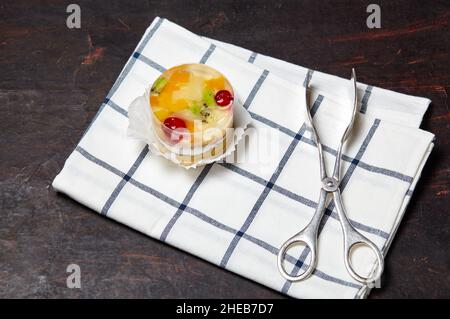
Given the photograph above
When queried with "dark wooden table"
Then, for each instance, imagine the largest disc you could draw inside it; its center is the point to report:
(53, 80)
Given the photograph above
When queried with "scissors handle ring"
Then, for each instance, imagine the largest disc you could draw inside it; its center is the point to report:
(300, 238)
(353, 238)
(358, 239)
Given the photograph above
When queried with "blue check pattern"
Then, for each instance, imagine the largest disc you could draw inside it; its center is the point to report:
(270, 185)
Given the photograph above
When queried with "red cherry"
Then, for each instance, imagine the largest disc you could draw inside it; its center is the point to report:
(223, 97)
(174, 123)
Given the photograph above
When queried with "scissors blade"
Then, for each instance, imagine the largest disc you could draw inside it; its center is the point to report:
(347, 132)
(354, 99)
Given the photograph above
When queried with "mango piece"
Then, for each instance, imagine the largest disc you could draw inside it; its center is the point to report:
(165, 99)
(161, 113)
(154, 101)
(216, 84)
(180, 76)
(177, 105)
(190, 125)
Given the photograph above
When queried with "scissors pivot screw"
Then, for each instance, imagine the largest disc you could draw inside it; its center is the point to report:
(330, 184)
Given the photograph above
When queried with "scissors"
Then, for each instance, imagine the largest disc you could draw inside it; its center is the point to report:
(330, 184)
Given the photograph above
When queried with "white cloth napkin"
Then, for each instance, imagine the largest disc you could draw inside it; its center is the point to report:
(237, 215)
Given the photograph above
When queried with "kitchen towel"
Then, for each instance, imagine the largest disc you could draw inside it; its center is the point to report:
(237, 214)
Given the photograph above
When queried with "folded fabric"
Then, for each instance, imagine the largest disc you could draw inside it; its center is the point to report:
(237, 215)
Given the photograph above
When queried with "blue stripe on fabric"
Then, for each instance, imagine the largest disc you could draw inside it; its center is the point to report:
(149, 62)
(205, 218)
(244, 173)
(330, 207)
(100, 110)
(261, 198)
(308, 77)
(272, 124)
(365, 99)
(208, 53)
(316, 105)
(252, 57)
(101, 163)
(124, 180)
(186, 200)
(116, 107)
(382, 171)
(255, 89)
(150, 34)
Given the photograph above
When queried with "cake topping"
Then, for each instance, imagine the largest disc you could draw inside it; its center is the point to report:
(223, 98)
(194, 97)
(174, 123)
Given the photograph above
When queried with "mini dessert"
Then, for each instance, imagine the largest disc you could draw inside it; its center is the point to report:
(192, 107)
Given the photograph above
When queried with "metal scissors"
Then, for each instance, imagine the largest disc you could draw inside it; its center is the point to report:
(330, 184)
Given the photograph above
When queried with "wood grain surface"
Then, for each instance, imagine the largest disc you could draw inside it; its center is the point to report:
(53, 80)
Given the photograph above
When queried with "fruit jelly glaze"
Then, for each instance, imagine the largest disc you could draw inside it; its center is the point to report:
(194, 97)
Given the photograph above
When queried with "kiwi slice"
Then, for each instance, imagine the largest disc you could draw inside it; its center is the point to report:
(196, 108)
(208, 98)
(159, 85)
